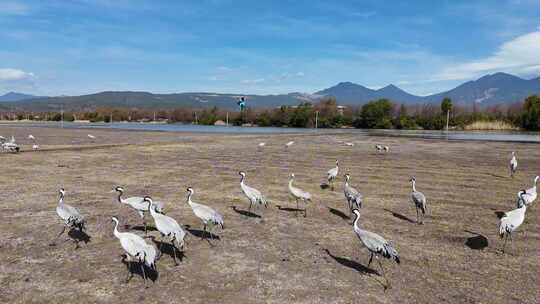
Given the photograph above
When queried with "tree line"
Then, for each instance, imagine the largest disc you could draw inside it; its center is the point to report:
(377, 114)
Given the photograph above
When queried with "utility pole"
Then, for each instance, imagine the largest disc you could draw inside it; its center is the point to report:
(316, 119)
(196, 119)
(62, 116)
(447, 119)
(227, 123)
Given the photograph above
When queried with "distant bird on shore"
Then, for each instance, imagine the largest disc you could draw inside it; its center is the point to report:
(513, 164)
(419, 200)
(167, 227)
(35, 146)
(137, 203)
(254, 196)
(376, 244)
(331, 175)
(349, 144)
(262, 144)
(354, 198)
(511, 220)
(386, 149)
(209, 217)
(137, 249)
(70, 216)
(299, 194)
(289, 144)
(530, 195)
(92, 137)
(379, 148)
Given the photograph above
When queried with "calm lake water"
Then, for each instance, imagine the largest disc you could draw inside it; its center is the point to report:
(510, 136)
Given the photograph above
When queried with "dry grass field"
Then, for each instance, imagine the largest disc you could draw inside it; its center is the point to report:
(279, 258)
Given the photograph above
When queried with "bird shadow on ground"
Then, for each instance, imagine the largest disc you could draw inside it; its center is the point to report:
(496, 175)
(202, 234)
(79, 236)
(141, 228)
(499, 214)
(351, 264)
(135, 269)
(168, 249)
(325, 186)
(339, 213)
(289, 209)
(245, 212)
(477, 242)
(400, 216)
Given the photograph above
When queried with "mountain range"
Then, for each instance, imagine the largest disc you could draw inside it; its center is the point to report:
(13, 96)
(488, 90)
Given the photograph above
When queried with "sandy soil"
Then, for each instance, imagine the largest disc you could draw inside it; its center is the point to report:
(281, 258)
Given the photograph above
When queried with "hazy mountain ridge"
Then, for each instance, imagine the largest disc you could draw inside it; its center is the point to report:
(14, 96)
(488, 90)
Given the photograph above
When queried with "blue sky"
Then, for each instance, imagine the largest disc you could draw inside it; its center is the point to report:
(83, 46)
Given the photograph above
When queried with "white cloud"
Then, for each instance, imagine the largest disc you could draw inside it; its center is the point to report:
(519, 56)
(15, 75)
(13, 8)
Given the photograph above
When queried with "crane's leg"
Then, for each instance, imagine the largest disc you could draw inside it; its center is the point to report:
(174, 252)
(204, 233)
(417, 215)
(297, 208)
(370, 260)
(53, 243)
(505, 239)
(143, 273)
(129, 273)
(305, 208)
(126, 259)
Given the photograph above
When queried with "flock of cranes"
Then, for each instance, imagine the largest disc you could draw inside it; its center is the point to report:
(138, 251)
(12, 146)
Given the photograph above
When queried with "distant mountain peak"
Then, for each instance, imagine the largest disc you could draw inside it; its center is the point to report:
(15, 96)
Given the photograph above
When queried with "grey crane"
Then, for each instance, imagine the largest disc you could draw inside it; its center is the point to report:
(209, 217)
(379, 148)
(331, 175)
(71, 217)
(354, 198)
(419, 200)
(530, 194)
(511, 220)
(513, 164)
(136, 249)
(167, 227)
(375, 243)
(137, 203)
(299, 194)
(254, 196)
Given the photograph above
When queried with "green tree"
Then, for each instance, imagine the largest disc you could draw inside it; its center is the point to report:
(301, 115)
(376, 115)
(530, 119)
